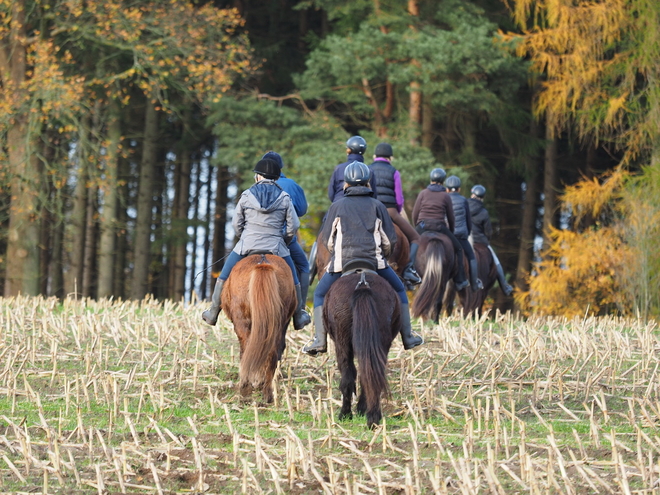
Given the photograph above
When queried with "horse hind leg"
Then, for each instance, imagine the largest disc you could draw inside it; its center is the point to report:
(374, 415)
(267, 384)
(347, 386)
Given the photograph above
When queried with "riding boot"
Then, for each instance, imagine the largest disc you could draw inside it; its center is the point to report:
(301, 317)
(409, 338)
(460, 281)
(506, 288)
(319, 344)
(409, 272)
(474, 281)
(210, 316)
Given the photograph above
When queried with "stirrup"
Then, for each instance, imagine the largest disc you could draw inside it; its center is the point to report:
(460, 286)
(207, 316)
(411, 275)
(301, 320)
(411, 341)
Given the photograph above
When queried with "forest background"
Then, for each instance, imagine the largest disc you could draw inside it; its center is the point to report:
(129, 128)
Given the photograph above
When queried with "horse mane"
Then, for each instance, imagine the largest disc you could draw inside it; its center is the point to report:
(432, 282)
(267, 310)
(367, 343)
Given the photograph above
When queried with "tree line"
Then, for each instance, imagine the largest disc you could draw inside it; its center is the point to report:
(129, 127)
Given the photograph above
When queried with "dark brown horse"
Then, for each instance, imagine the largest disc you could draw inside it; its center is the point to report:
(398, 258)
(473, 302)
(362, 314)
(259, 298)
(436, 265)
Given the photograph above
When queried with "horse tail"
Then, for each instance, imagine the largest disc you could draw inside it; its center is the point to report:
(431, 289)
(266, 308)
(368, 345)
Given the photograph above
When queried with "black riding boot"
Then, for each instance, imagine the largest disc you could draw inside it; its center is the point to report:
(319, 344)
(409, 272)
(210, 316)
(409, 338)
(460, 281)
(506, 288)
(301, 317)
(475, 282)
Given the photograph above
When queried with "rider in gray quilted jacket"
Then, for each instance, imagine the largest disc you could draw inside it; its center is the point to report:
(266, 221)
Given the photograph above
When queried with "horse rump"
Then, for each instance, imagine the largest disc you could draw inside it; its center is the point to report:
(259, 299)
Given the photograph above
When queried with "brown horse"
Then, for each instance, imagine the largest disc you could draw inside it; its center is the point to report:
(362, 314)
(473, 302)
(436, 265)
(398, 258)
(260, 299)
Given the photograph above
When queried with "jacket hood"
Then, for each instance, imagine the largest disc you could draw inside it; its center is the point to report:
(436, 187)
(266, 194)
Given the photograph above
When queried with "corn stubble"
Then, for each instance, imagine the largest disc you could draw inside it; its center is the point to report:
(119, 397)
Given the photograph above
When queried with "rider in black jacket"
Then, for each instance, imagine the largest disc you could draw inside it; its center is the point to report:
(482, 230)
(463, 227)
(358, 226)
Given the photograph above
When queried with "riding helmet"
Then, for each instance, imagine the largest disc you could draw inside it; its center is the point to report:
(357, 145)
(269, 169)
(479, 191)
(384, 150)
(438, 175)
(453, 182)
(357, 174)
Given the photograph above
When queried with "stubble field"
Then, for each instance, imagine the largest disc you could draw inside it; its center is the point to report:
(103, 397)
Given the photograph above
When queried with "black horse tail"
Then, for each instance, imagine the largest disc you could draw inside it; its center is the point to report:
(431, 289)
(368, 345)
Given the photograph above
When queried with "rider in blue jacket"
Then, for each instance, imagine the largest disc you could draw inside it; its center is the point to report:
(297, 254)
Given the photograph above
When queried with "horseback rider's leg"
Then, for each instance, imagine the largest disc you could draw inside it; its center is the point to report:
(210, 316)
(319, 344)
(501, 279)
(475, 283)
(460, 281)
(409, 338)
(409, 273)
(300, 317)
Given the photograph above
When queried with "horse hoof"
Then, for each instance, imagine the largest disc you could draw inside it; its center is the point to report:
(345, 416)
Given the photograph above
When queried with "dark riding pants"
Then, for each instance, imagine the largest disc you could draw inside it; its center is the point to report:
(387, 273)
(234, 258)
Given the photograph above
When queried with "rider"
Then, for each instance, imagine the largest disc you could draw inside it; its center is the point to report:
(355, 148)
(463, 226)
(358, 227)
(297, 254)
(390, 193)
(434, 212)
(482, 230)
(266, 221)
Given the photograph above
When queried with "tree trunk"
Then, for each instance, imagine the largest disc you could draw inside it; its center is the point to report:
(22, 273)
(182, 202)
(427, 123)
(219, 222)
(549, 185)
(207, 229)
(119, 289)
(530, 215)
(197, 172)
(142, 243)
(415, 110)
(110, 200)
(91, 233)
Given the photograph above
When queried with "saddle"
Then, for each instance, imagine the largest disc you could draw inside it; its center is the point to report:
(358, 265)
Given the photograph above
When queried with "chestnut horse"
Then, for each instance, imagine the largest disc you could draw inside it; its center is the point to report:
(362, 314)
(473, 302)
(398, 258)
(436, 265)
(259, 298)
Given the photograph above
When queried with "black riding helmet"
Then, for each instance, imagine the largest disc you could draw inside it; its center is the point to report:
(479, 191)
(438, 175)
(357, 145)
(453, 182)
(357, 174)
(269, 169)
